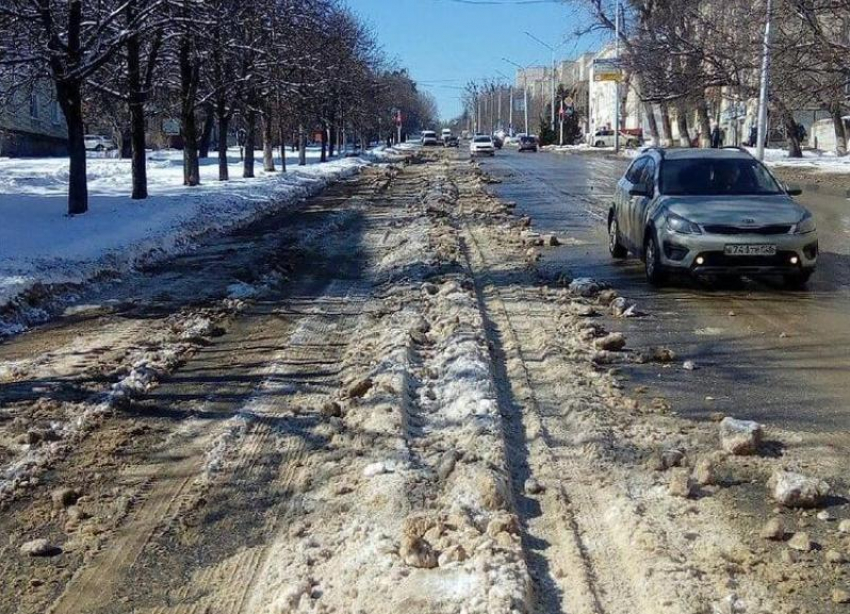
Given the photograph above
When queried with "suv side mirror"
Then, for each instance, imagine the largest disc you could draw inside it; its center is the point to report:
(640, 189)
(793, 190)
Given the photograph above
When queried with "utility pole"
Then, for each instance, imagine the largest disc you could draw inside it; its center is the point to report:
(525, 98)
(617, 82)
(524, 88)
(511, 110)
(499, 105)
(765, 83)
(510, 103)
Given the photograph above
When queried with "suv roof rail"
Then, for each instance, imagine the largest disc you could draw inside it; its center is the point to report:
(737, 147)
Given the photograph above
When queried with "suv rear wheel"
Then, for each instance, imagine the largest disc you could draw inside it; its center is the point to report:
(614, 246)
(652, 261)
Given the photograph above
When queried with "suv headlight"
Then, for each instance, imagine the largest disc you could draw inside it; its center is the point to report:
(677, 223)
(805, 225)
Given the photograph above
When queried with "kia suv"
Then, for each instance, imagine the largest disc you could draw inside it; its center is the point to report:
(710, 212)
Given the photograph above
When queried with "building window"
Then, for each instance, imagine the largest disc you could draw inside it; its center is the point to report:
(34, 105)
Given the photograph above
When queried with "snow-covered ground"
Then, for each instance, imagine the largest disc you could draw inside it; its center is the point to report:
(820, 161)
(39, 243)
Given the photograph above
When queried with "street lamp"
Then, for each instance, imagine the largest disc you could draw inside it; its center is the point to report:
(524, 89)
(553, 50)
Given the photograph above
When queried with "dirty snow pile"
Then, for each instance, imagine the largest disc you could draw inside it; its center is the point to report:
(411, 507)
(41, 246)
(39, 442)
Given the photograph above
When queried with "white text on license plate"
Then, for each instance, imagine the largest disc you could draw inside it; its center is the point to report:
(750, 250)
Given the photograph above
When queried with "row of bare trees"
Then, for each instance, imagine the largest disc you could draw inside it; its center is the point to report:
(687, 55)
(273, 67)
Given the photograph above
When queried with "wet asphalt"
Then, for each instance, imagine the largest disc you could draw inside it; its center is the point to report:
(762, 352)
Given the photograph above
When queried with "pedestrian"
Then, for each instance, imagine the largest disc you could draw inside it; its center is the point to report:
(754, 135)
(716, 139)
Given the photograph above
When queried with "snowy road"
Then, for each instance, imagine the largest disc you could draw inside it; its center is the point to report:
(382, 400)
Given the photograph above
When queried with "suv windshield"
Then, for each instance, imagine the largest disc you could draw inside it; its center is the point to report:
(708, 177)
(482, 139)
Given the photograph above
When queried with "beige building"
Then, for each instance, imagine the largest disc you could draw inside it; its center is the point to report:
(31, 122)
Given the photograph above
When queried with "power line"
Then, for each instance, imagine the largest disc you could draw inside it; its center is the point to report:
(501, 2)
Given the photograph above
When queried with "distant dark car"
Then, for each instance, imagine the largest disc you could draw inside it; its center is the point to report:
(497, 142)
(450, 141)
(527, 143)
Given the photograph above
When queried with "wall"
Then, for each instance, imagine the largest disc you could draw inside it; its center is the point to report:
(31, 123)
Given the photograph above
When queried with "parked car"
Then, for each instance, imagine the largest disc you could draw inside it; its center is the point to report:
(482, 144)
(527, 143)
(98, 142)
(450, 141)
(497, 142)
(605, 138)
(429, 137)
(710, 212)
(444, 134)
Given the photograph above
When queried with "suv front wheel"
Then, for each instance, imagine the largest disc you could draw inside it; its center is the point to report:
(652, 261)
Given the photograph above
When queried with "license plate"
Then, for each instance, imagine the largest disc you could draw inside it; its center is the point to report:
(750, 250)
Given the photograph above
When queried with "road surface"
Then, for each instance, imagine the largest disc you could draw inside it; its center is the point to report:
(776, 356)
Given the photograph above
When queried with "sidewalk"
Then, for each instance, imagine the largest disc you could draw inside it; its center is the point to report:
(41, 246)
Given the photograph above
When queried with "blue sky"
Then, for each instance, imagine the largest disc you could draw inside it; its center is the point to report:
(446, 43)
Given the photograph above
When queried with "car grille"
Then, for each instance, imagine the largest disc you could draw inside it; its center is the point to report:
(719, 259)
(773, 229)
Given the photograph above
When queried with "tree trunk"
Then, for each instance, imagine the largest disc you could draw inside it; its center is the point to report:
(268, 141)
(331, 139)
(840, 132)
(250, 136)
(324, 156)
(137, 142)
(667, 127)
(137, 116)
(649, 109)
(206, 134)
(223, 126)
(792, 135)
(302, 146)
(191, 167)
(682, 125)
(189, 128)
(704, 124)
(282, 131)
(71, 101)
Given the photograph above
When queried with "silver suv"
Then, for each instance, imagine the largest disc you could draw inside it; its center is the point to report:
(710, 212)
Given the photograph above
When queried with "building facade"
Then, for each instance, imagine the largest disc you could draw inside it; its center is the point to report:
(31, 123)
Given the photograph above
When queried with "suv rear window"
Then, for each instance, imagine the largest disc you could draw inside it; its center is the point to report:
(710, 177)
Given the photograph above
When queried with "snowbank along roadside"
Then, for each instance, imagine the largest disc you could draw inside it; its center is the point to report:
(46, 256)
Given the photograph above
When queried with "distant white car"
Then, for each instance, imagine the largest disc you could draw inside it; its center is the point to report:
(429, 137)
(98, 142)
(482, 145)
(605, 138)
